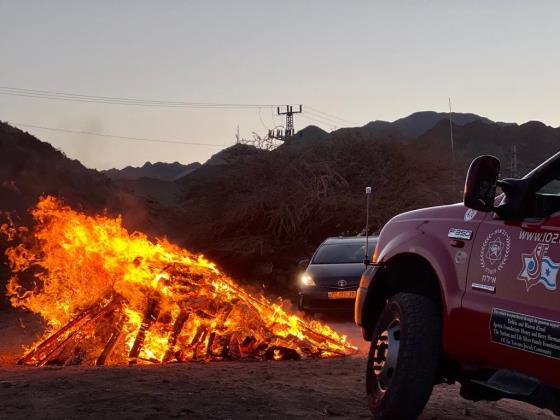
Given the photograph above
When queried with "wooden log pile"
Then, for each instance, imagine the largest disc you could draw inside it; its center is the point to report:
(113, 297)
(96, 336)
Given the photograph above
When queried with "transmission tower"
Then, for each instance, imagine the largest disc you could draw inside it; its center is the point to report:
(289, 130)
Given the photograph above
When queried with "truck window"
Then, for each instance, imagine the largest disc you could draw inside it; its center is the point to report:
(552, 188)
(547, 199)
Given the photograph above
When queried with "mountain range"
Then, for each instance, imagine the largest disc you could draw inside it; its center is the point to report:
(408, 127)
(257, 212)
(158, 170)
(418, 123)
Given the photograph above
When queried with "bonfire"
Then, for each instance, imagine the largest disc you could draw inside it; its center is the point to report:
(108, 296)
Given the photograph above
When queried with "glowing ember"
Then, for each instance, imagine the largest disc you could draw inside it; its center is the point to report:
(111, 297)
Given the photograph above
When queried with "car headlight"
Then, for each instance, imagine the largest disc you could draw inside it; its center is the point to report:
(307, 280)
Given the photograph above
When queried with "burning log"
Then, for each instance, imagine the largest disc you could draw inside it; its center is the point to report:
(225, 343)
(323, 338)
(53, 345)
(199, 332)
(209, 344)
(76, 358)
(260, 350)
(234, 350)
(150, 317)
(177, 328)
(226, 311)
(56, 338)
(198, 339)
(110, 345)
(281, 353)
(79, 333)
(248, 346)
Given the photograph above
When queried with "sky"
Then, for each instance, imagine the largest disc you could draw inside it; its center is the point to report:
(352, 60)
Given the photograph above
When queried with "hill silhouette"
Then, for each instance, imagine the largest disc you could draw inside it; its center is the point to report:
(533, 141)
(418, 123)
(257, 212)
(159, 170)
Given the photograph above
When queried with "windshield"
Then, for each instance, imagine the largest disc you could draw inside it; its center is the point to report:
(342, 253)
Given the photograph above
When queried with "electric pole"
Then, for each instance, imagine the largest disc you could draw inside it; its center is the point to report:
(453, 180)
(513, 161)
(289, 131)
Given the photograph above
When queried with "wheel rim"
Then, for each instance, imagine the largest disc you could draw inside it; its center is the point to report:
(386, 353)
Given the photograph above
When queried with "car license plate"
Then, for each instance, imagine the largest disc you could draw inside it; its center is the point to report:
(343, 294)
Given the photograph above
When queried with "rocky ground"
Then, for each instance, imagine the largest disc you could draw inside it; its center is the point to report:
(306, 389)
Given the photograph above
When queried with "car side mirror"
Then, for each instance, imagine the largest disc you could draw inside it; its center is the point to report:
(304, 263)
(481, 183)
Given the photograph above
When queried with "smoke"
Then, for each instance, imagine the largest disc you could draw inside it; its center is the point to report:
(90, 150)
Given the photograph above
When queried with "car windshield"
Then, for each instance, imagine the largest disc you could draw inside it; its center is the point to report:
(342, 253)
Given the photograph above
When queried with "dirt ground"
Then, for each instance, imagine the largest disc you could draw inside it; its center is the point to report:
(225, 390)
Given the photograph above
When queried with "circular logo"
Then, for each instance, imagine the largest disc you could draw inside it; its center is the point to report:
(495, 251)
(470, 214)
(342, 283)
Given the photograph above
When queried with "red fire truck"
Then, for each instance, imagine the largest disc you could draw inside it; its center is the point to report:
(468, 293)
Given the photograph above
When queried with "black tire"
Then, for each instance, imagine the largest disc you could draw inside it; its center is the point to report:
(404, 357)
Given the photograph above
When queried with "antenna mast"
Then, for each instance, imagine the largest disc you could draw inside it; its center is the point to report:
(514, 161)
(368, 194)
(452, 148)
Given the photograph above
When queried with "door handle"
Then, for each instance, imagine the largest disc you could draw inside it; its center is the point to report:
(540, 225)
(456, 243)
(532, 225)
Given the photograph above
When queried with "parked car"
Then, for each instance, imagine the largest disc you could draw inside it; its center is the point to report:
(467, 293)
(332, 275)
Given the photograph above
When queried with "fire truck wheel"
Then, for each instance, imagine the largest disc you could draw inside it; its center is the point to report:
(403, 359)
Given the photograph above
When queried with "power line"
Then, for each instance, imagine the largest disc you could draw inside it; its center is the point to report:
(107, 100)
(90, 133)
(326, 119)
(143, 104)
(331, 115)
(310, 118)
(261, 120)
(64, 96)
(315, 114)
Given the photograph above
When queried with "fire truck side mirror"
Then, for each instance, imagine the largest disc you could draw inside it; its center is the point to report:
(481, 182)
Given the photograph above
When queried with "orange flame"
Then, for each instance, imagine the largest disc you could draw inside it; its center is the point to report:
(146, 301)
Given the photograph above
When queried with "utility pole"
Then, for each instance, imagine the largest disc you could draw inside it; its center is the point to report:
(452, 149)
(514, 161)
(289, 131)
